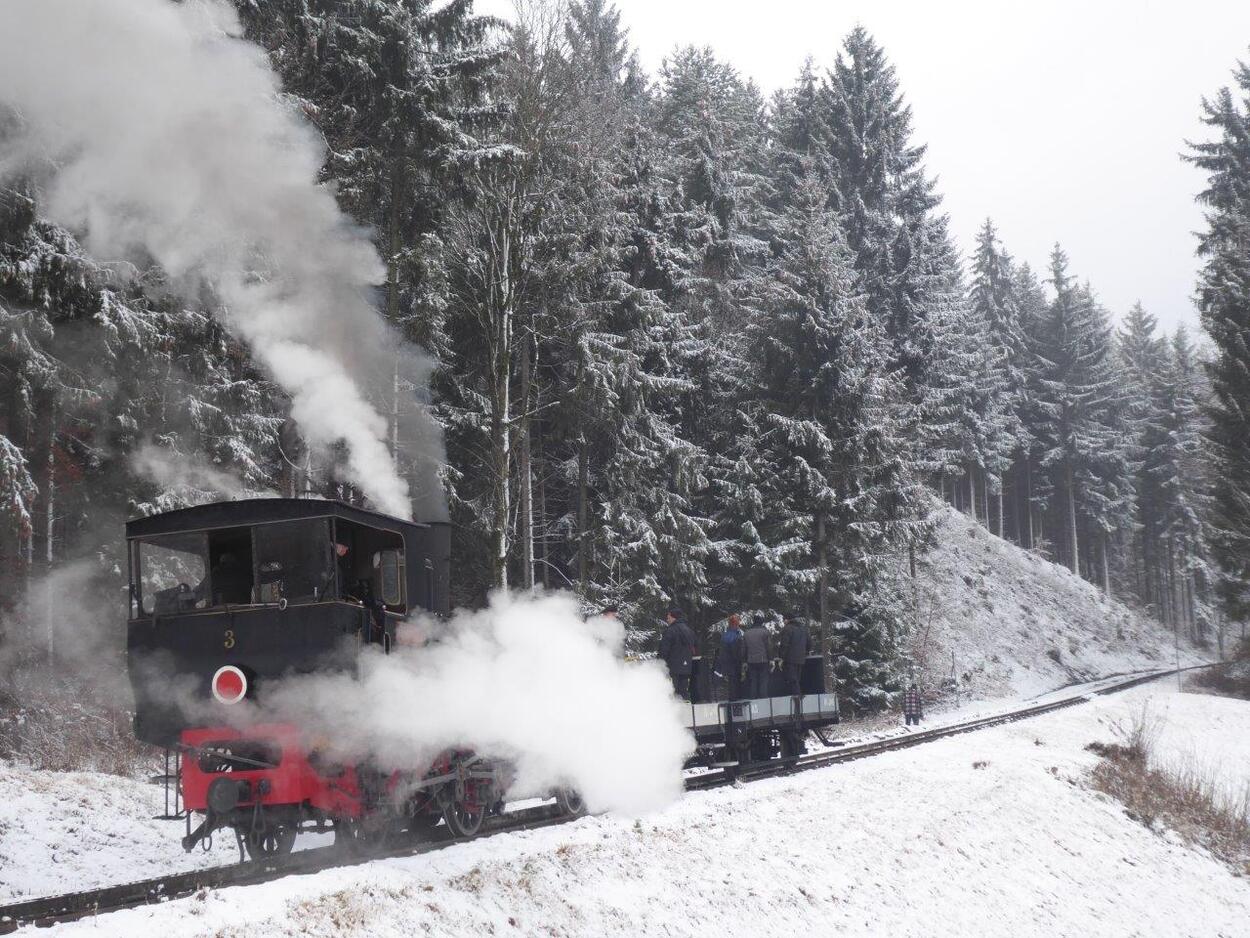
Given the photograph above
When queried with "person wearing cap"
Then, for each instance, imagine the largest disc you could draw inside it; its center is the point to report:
(755, 644)
(677, 648)
(913, 705)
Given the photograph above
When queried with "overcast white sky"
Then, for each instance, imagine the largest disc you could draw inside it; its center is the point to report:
(1062, 120)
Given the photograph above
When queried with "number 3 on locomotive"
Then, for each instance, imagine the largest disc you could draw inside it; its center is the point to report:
(229, 642)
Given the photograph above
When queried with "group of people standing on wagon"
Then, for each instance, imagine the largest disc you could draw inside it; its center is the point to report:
(744, 658)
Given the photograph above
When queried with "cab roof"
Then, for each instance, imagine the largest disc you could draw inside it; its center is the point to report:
(251, 511)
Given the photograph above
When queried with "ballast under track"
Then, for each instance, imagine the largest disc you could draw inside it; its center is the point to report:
(51, 910)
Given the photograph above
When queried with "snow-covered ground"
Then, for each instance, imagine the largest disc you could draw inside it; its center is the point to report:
(875, 847)
(64, 831)
(61, 831)
(1007, 623)
(1219, 750)
(992, 833)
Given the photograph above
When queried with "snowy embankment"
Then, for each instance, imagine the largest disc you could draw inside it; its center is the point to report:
(65, 831)
(992, 833)
(62, 831)
(1007, 623)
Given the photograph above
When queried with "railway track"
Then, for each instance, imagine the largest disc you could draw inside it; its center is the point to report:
(51, 910)
(861, 750)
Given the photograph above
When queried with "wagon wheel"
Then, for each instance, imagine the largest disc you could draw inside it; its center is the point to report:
(570, 802)
(269, 842)
(791, 745)
(462, 820)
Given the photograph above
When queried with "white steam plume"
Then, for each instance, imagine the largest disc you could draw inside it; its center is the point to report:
(167, 135)
(525, 679)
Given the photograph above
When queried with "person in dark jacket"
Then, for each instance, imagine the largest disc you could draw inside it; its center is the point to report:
(793, 646)
(339, 575)
(756, 642)
(730, 657)
(677, 648)
(231, 581)
(913, 706)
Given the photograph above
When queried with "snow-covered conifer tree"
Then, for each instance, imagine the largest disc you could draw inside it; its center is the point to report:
(1084, 451)
(1224, 300)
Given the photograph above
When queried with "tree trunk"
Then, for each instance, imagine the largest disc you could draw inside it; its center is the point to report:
(1075, 557)
(1106, 564)
(394, 434)
(43, 513)
(1191, 608)
(985, 500)
(525, 465)
(1167, 599)
(583, 485)
(542, 521)
(583, 514)
(501, 444)
(394, 247)
(501, 313)
(49, 559)
(1028, 498)
(822, 553)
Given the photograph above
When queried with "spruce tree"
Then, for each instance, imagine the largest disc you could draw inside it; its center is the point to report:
(712, 125)
(1177, 461)
(833, 476)
(1143, 363)
(1224, 301)
(886, 200)
(1083, 451)
(903, 254)
(995, 310)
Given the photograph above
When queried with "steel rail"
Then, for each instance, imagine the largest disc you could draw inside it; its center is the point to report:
(51, 910)
(852, 751)
(71, 906)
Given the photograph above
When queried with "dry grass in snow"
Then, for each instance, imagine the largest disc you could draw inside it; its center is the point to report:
(1185, 796)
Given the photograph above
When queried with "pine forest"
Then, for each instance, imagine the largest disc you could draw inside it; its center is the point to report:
(683, 343)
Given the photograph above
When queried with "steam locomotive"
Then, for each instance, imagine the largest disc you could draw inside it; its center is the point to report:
(227, 596)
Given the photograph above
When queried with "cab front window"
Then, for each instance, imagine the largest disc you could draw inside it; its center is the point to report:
(294, 561)
(172, 574)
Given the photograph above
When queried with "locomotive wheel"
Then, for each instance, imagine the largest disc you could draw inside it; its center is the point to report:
(422, 822)
(461, 820)
(348, 836)
(570, 802)
(269, 842)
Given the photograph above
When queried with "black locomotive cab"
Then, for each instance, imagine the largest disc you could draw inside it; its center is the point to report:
(266, 587)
